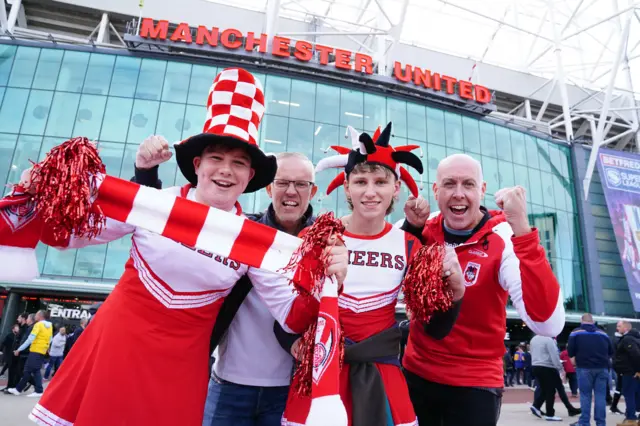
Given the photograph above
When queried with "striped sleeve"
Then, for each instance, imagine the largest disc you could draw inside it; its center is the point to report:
(525, 273)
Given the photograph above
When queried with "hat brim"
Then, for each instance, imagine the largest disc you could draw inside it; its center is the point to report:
(265, 166)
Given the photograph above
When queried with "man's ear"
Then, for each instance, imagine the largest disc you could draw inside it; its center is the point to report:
(269, 189)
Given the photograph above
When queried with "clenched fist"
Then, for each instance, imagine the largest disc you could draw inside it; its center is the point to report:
(453, 273)
(153, 151)
(513, 202)
(417, 210)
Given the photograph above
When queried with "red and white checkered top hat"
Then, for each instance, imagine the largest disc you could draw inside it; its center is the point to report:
(235, 107)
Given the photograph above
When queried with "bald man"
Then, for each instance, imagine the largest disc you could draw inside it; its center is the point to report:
(458, 381)
(627, 363)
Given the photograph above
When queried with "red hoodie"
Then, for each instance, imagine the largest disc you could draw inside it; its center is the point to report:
(566, 362)
(495, 266)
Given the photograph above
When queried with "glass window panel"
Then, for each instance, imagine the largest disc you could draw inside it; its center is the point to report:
(6, 62)
(99, 74)
(435, 126)
(521, 177)
(451, 151)
(327, 104)
(351, 108)
(29, 148)
(194, 119)
(2, 90)
(300, 137)
(24, 67)
(37, 112)
(532, 151)
(277, 95)
(397, 114)
(517, 148)
(7, 146)
(547, 190)
(570, 201)
(12, 109)
(274, 133)
(303, 100)
(453, 127)
(503, 143)
(555, 156)
(151, 79)
(535, 187)
(89, 116)
(543, 155)
(582, 304)
(167, 173)
(48, 143)
(117, 256)
(323, 202)
(490, 202)
(90, 261)
(125, 76)
(170, 121)
(565, 161)
(41, 254)
(46, 74)
(488, 139)
(128, 160)
(490, 171)
(72, 71)
(143, 120)
(63, 112)
(176, 82)
(111, 154)
(559, 192)
(471, 135)
(59, 262)
(568, 282)
(563, 236)
(201, 80)
(325, 135)
(247, 202)
(375, 112)
(505, 173)
(435, 154)
(416, 122)
(116, 119)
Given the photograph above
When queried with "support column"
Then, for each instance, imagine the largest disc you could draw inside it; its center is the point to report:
(13, 14)
(103, 31)
(4, 23)
(10, 312)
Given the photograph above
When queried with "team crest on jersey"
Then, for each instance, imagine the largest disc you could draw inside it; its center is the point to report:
(324, 349)
(471, 273)
(17, 216)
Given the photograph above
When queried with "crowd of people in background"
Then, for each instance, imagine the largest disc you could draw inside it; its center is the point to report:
(35, 344)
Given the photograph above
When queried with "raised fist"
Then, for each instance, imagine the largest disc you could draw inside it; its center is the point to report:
(513, 202)
(153, 151)
(417, 211)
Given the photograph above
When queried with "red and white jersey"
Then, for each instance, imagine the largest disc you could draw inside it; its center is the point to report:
(181, 277)
(377, 265)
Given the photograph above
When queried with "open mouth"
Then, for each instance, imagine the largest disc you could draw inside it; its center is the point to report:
(290, 203)
(370, 203)
(222, 183)
(458, 210)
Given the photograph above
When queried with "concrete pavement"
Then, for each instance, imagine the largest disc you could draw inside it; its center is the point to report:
(515, 411)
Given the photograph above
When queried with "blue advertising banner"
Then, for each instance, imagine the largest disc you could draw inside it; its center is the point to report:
(620, 176)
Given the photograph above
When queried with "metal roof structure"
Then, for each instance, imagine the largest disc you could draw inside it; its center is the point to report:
(591, 47)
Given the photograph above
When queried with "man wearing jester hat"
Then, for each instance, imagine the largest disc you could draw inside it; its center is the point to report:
(371, 384)
(168, 286)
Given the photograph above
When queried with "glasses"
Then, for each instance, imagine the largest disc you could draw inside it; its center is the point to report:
(299, 185)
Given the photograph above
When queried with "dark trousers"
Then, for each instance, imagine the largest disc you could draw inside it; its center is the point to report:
(546, 378)
(520, 375)
(573, 383)
(538, 397)
(618, 393)
(15, 372)
(440, 405)
(630, 390)
(527, 376)
(32, 372)
(508, 377)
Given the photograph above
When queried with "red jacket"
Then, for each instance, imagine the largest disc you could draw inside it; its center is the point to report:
(495, 265)
(566, 362)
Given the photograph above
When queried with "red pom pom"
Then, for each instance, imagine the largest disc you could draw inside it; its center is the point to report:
(425, 292)
(64, 182)
(309, 260)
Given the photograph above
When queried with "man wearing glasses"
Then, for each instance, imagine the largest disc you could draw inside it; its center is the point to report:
(251, 373)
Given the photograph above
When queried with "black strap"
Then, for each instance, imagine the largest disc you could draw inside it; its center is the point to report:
(228, 310)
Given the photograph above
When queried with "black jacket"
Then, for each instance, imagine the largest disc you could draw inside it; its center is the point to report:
(627, 357)
(9, 344)
(23, 335)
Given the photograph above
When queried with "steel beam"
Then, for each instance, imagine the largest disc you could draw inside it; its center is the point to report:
(103, 29)
(4, 23)
(395, 31)
(608, 18)
(543, 108)
(271, 17)
(13, 15)
(560, 74)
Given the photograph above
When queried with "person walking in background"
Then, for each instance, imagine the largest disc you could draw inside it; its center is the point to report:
(528, 379)
(38, 343)
(591, 348)
(56, 352)
(546, 367)
(25, 330)
(627, 364)
(570, 370)
(8, 346)
(508, 368)
(73, 338)
(559, 385)
(518, 364)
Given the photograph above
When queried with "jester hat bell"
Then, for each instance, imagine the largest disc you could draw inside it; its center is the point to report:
(376, 150)
(235, 107)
